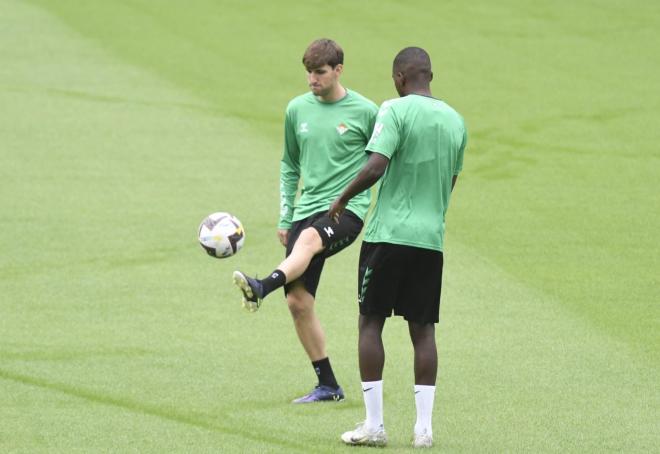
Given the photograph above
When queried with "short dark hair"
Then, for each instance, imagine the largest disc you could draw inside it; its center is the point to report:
(414, 62)
(323, 52)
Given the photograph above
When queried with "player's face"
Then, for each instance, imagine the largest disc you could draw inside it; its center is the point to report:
(323, 80)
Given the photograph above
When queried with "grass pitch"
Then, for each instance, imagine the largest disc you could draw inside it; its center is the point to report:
(123, 124)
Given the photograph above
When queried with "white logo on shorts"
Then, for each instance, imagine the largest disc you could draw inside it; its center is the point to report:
(329, 231)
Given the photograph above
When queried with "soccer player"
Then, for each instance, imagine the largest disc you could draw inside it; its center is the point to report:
(325, 135)
(417, 148)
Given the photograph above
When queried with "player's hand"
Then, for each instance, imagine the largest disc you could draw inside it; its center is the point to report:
(283, 235)
(336, 209)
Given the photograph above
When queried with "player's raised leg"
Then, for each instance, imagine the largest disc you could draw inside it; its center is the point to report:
(306, 246)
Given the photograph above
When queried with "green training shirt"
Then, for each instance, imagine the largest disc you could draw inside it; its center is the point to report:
(324, 145)
(424, 138)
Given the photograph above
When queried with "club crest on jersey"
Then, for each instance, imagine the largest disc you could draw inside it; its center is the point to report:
(303, 127)
(342, 128)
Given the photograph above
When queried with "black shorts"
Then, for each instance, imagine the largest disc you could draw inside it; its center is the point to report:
(403, 279)
(335, 237)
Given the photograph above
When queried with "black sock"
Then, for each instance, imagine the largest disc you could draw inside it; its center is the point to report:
(276, 280)
(323, 370)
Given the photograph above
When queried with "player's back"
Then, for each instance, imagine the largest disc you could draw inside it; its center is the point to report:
(424, 138)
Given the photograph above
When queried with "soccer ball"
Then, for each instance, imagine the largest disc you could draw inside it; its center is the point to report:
(221, 235)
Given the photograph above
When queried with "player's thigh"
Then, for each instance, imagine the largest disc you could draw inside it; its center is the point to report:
(378, 279)
(294, 232)
(420, 286)
(400, 279)
(310, 278)
(309, 239)
(336, 236)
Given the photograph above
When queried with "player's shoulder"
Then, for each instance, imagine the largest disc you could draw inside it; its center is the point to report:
(445, 105)
(394, 105)
(426, 103)
(300, 101)
(392, 102)
(416, 105)
(449, 110)
(362, 100)
(443, 111)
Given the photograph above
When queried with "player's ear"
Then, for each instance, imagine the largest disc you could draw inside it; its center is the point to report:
(339, 68)
(431, 76)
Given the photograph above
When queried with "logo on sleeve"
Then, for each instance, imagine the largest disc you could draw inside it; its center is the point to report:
(303, 128)
(378, 128)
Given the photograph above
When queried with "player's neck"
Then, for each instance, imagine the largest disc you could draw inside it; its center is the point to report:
(421, 91)
(335, 95)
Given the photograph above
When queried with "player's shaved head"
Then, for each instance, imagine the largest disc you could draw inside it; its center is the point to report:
(414, 64)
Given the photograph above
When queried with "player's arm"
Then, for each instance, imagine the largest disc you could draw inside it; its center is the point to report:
(283, 236)
(368, 176)
(458, 166)
(289, 178)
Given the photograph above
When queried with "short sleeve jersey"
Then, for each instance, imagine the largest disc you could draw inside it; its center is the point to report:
(324, 146)
(424, 139)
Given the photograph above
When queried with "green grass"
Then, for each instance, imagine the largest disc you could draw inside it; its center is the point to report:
(123, 124)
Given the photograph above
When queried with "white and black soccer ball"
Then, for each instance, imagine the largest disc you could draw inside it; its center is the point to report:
(221, 235)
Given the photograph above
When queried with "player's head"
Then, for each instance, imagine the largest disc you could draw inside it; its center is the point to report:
(324, 62)
(411, 70)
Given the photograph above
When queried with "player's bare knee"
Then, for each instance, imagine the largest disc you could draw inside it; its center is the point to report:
(422, 333)
(298, 305)
(310, 239)
(297, 308)
(370, 326)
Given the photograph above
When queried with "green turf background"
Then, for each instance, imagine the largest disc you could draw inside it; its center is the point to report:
(124, 123)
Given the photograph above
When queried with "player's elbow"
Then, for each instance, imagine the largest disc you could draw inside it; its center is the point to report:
(375, 167)
(373, 174)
